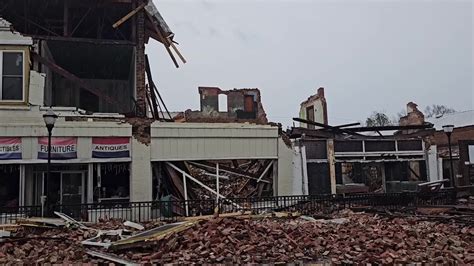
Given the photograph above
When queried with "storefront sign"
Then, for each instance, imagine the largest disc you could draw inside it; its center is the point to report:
(110, 147)
(10, 148)
(61, 148)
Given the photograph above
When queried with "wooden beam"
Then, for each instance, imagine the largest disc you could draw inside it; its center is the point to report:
(348, 125)
(153, 87)
(84, 40)
(200, 183)
(129, 15)
(177, 51)
(163, 40)
(335, 129)
(66, 74)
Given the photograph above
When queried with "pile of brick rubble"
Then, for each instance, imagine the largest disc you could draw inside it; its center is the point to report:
(349, 238)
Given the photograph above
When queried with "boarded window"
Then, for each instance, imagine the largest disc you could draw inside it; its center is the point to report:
(11, 87)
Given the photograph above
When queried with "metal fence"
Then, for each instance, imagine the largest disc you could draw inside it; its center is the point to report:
(172, 210)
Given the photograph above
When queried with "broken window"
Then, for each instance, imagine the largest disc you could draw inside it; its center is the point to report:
(222, 103)
(11, 85)
(107, 68)
(310, 115)
(112, 182)
(368, 175)
(405, 176)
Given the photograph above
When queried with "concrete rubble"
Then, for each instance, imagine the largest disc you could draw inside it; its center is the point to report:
(344, 237)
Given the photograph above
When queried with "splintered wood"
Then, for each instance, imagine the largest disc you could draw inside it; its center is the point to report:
(238, 179)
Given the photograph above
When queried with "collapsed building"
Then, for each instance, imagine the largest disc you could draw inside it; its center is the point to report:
(462, 146)
(350, 159)
(115, 140)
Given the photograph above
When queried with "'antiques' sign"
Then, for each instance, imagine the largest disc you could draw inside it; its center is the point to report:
(10, 148)
(61, 148)
(110, 147)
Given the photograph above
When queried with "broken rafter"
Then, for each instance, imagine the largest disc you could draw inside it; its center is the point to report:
(84, 40)
(162, 39)
(348, 125)
(177, 51)
(129, 15)
(384, 128)
(265, 171)
(200, 183)
(229, 170)
(68, 75)
(153, 86)
(335, 129)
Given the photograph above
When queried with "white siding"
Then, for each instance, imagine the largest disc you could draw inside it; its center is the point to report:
(199, 141)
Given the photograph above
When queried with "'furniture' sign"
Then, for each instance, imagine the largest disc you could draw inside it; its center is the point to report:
(61, 148)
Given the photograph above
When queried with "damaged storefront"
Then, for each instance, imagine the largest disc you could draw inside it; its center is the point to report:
(210, 162)
(83, 170)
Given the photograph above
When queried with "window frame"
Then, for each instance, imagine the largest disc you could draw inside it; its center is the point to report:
(24, 76)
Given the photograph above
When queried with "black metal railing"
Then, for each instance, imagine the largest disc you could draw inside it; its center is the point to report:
(173, 209)
(9, 215)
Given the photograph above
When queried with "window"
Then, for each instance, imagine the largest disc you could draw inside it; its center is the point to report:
(11, 85)
(222, 103)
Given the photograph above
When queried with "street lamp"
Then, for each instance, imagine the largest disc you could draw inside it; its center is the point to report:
(49, 119)
(448, 129)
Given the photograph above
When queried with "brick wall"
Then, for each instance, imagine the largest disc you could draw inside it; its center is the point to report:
(140, 65)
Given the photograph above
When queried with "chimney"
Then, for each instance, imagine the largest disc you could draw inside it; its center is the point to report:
(411, 107)
(321, 92)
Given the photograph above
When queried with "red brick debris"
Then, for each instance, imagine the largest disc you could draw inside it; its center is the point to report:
(351, 238)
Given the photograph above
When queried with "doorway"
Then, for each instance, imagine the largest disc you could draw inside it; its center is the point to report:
(310, 115)
(61, 188)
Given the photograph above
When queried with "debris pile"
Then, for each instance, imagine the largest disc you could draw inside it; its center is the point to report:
(48, 240)
(237, 179)
(357, 238)
(344, 237)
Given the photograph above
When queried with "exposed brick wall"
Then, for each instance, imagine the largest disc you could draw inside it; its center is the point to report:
(209, 112)
(464, 133)
(140, 65)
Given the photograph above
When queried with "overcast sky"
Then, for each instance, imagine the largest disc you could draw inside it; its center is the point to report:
(369, 55)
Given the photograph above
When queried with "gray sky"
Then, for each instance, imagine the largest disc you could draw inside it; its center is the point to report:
(369, 55)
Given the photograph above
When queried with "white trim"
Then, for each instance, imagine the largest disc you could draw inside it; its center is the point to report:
(23, 78)
(1, 76)
(215, 158)
(16, 42)
(21, 201)
(79, 161)
(90, 183)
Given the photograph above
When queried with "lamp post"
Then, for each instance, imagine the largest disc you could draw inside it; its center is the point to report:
(49, 119)
(448, 129)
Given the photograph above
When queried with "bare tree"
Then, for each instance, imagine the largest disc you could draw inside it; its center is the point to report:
(435, 110)
(378, 119)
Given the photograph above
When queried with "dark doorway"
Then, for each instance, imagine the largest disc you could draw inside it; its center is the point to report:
(310, 115)
(318, 178)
